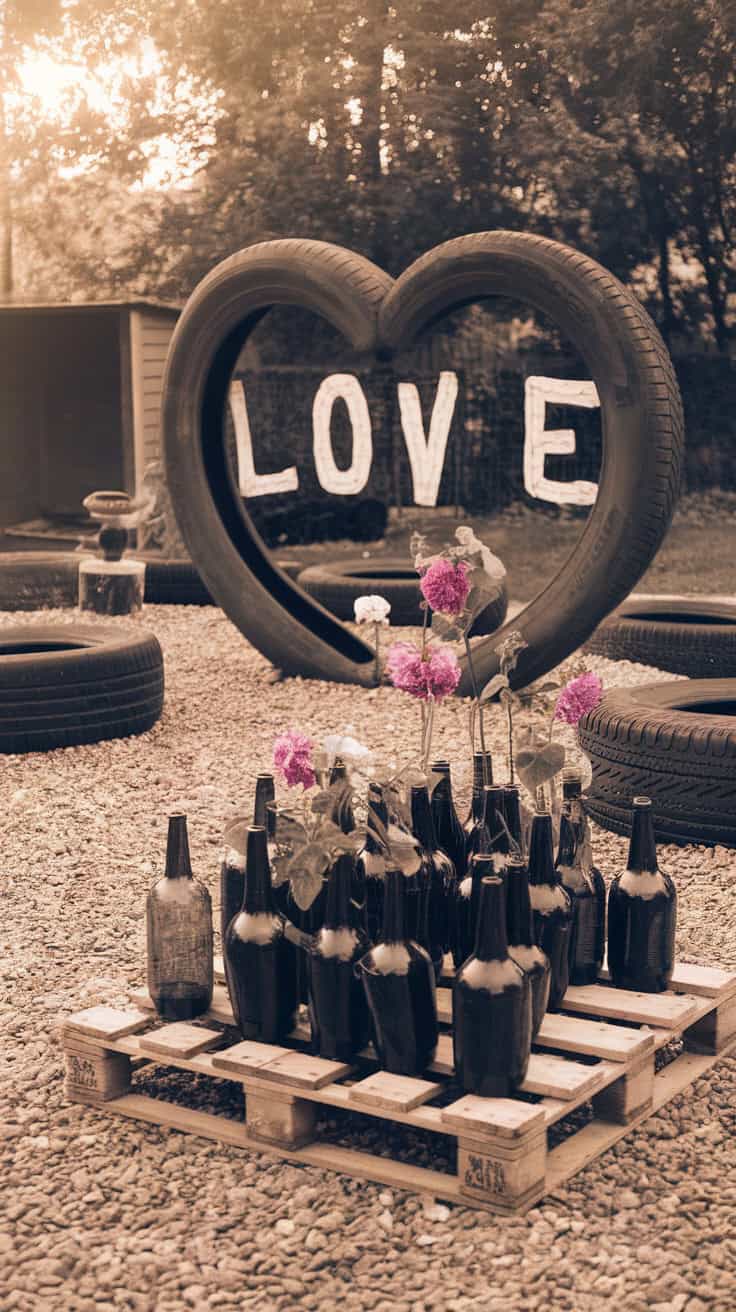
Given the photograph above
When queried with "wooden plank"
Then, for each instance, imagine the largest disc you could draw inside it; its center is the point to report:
(444, 1006)
(180, 1039)
(606, 1072)
(558, 1077)
(550, 1076)
(105, 1022)
(242, 1058)
(302, 1071)
(701, 981)
(218, 967)
(220, 1010)
(665, 1010)
(593, 1038)
(588, 1144)
(392, 1092)
(502, 1117)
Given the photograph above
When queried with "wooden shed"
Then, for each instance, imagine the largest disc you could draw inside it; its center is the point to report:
(80, 389)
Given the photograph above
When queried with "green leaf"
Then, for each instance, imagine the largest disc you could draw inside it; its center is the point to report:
(446, 626)
(236, 835)
(403, 850)
(312, 859)
(538, 767)
(493, 687)
(305, 888)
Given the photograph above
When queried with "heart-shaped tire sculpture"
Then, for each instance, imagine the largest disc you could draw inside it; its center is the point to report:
(686, 635)
(338, 583)
(640, 409)
(674, 742)
(64, 684)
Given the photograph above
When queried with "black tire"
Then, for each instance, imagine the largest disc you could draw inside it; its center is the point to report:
(38, 580)
(65, 684)
(337, 584)
(172, 582)
(674, 742)
(686, 635)
(641, 414)
(299, 636)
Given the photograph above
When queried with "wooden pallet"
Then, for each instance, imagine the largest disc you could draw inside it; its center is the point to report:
(503, 1160)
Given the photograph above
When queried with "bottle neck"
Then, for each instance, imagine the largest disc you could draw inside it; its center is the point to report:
(567, 852)
(492, 817)
(442, 791)
(541, 852)
(257, 896)
(512, 812)
(342, 810)
(518, 905)
(377, 809)
(265, 793)
(642, 845)
(479, 783)
(481, 867)
(421, 818)
(339, 888)
(392, 929)
(178, 863)
(491, 943)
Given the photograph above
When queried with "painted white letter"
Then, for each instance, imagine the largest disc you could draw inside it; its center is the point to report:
(540, 442)
(427, 456)
(345, 482)
(251, 484)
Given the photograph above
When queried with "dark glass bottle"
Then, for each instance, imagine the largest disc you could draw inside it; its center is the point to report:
(399, 985)
(551, 907)
(642, 913)
(447, 826)
(491, 1006)
(487, 833)
(337, 1007)
(465, 918)
(437, 874)
(512, 814)
(232, 870)
(587, 893)
(342, 812)
(522, 948)
(259, 961)
(371, 864)
(179, 934)
(482, 777)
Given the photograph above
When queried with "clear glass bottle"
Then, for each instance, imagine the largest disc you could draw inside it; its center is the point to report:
(520, 930)
(551, 907)
(259, 961)
(337, 1007)
(179, 934)
(642, 913)
(512, 814)
(585, 885)
(436, 874)
(492, 1006)
(399, 984)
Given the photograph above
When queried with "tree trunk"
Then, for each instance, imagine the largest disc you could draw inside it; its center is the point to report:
(6, 210)
(708, 258)
(374, 45)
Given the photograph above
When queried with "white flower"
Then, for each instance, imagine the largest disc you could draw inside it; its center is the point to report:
(371, 610)
(345, 747)
(472, 545)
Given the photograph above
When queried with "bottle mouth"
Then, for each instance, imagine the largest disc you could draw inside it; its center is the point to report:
(642, 801)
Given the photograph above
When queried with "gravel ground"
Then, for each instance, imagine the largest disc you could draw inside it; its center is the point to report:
(101, 1213)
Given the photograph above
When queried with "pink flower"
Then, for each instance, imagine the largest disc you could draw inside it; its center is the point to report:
(291, 758)
(436, 676)
(578, 697)
(445, 586)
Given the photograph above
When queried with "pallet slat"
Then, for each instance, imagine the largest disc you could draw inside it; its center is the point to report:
(665, 1010)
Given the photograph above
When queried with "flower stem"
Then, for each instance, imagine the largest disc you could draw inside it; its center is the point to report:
(427, 743)
(511, 740)
(476, 695)
(378, 671)
(425, 614)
